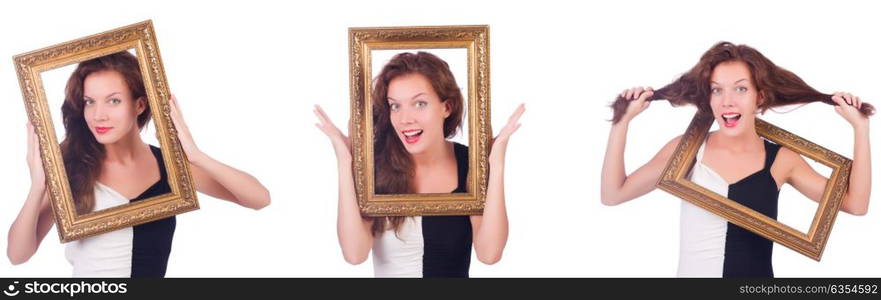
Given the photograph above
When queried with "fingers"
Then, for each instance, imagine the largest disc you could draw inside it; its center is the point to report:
(842, 99)
(645, 94)
(514, 129)
(838, 98)
(517, 113)
(173, 100)
(512, 124)
(172, 105)
(30, 129)
(175, 112)
(636, 92)
(324, 122)
(320, 114)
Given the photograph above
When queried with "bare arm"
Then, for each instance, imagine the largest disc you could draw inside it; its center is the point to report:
(490, 230)
(856, 202)
(615, 186)
(812, 184)
(353, 231)
(35, 218)
(215, 178)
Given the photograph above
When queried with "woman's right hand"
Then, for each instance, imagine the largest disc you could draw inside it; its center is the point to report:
(353, 231)
(638, 97)
(34, 159)
(341, 143)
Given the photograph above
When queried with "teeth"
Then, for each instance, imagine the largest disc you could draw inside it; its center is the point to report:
(412, 133)
(730, 116)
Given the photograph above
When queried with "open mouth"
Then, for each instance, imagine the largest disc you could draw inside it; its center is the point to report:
(730, 119)
(102, 130)
(411, 136)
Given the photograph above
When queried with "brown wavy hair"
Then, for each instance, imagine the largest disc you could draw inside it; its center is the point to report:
(780, 86)
(393, 166)
(81, 152)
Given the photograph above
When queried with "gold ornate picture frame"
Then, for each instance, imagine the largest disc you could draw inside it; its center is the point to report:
(811, 244)
(362, 44)
(140, 39)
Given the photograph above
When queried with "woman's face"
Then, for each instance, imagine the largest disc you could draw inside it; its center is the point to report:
(734, 98)
(417, 112)
(109, 110)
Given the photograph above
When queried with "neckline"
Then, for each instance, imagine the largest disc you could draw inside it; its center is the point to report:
(159, 162)
(108, 188)
(700, 160)
(723, 178)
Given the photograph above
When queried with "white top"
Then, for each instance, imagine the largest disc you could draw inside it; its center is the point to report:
(702, 234)
(107, 254)
(399, 255)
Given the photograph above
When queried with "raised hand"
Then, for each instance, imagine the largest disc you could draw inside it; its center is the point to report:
(638, 101)
(341, 143)
(34, 160)
(500, 142)
(849, 108)
(183, 132)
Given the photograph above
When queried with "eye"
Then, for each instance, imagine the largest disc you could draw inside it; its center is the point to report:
(89, 101)
(715, 90)
(741, 89)
(394, 106)
(115, 101)
(421, 104)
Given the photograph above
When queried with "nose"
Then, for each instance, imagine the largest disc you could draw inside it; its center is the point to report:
(99, 113)
(405, 116)
(727, 99)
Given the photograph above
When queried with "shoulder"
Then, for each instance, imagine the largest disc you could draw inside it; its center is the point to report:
(666, 152)
(788, 159)
(460, 149)
(155, 150)
(670, 147)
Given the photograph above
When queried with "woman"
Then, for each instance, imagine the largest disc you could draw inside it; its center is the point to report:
(108, 164)
(734, 83)
(417, 107)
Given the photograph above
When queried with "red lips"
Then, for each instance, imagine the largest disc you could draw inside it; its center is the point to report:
(102, 130)
(729, 120)
(411, 136)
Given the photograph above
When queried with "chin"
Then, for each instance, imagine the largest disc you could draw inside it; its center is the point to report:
(106, 139)
(414, 149)
(732, 132)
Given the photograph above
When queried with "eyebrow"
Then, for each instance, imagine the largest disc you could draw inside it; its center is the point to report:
(414, 96)
(742, 79)
(105, 97)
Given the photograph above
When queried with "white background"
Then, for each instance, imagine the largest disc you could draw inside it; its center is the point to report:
(248, 74)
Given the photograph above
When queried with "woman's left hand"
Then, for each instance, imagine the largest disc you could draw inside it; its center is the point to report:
(183, 132)
(500, 142)
(849, 108)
